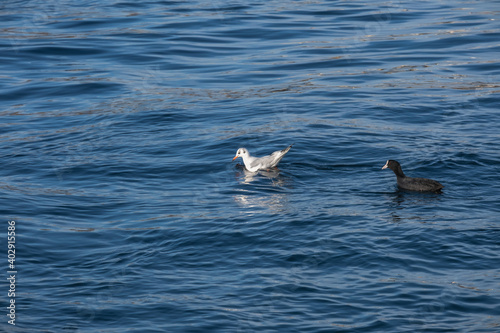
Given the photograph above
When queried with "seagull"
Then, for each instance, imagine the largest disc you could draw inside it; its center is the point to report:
(254, 164)
(410, 183)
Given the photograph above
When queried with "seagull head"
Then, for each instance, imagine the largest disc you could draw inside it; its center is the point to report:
(241, 152)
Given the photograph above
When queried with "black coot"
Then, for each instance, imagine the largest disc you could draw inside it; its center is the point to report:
(412, 184)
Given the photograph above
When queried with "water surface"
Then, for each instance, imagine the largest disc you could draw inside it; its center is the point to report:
(119, 123)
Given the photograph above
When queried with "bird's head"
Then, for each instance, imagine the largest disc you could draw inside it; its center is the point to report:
(240, 153)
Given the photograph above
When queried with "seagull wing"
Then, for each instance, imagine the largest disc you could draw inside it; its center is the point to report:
(254, 164)
(273, 159)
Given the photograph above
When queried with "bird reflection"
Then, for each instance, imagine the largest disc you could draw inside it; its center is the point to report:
(273, 174)
(404, 203)
(408, 197)
(272, 180)
(276, 203)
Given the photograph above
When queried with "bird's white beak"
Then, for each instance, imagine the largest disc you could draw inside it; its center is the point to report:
(385, 166)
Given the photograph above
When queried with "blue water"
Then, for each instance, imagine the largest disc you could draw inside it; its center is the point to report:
(119, 121)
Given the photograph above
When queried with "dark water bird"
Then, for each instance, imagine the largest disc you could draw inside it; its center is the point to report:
(410, 183)
(255, 164)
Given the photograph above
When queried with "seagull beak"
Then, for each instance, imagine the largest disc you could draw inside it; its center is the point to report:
(235, 157)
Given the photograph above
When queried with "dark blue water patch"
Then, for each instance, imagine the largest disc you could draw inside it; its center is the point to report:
(159, 118)
(125, 4)
(216, 43)
(193, 52)
(63, 51)
(446, 43)
(331, 12)
(94, 24)
(46, 91)
(491, 69)
(322, 64)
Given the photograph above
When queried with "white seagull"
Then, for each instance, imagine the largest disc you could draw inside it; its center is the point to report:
(254, 164)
